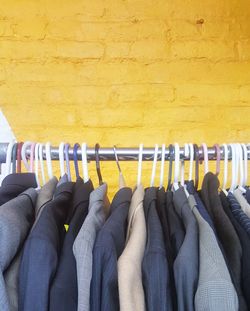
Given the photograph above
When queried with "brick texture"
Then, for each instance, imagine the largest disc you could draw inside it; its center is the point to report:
(124, 72)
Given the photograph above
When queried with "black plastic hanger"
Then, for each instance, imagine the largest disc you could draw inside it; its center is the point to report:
(76, 147)
(171, 158)
(97, 162)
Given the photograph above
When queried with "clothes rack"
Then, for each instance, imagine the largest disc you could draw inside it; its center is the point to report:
(124, 154)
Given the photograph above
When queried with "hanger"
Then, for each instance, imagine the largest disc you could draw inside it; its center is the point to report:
(241, 165)
(197, 160)
(40, 152)
(121, 178)
(233, 179)
(66, 152)
(75, 148)
(37, 164)
(191, 160)
(85, 162)
(32, 156)
(19, 158)
(154, 166)
(205, 157)
(186, 153)
(139, 173)
(225, 169)
(163, 152)
(61, 159)
(217, 151)
(48, 160)
(176, 165)
(8, 157)
(171, 157)
(13, 157)
(23, 154)
(245, 160)
(97, 161)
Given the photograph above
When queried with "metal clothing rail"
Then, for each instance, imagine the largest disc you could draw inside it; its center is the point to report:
(124, 154)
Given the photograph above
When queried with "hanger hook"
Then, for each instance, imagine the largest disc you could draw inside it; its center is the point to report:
(233, 153)
(171, 158)
(191, 160)
(244, 147)
(225, 167)
(19, 157)
(163, 152)
(217, 151)
(66, 152)
(205, 157)
(197, 159)
(48, 160)
(116, 159)
(40, 154)
(85, 163)
(139, 165)
(8, 157)
(75, 148)
(176, 164)
(23, 154)
(154, 165)
(61, 158)
(97, 161)
(14, 156)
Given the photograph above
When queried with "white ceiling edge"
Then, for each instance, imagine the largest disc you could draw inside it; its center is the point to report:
(6, 135)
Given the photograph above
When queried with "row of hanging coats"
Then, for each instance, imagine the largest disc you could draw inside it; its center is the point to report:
(65, 246)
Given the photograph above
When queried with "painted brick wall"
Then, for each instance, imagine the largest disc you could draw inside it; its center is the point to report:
(124, 72)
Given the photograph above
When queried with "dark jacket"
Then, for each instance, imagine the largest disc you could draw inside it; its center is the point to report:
(225, 232)
(63, 293)
(109, 245)
(42, 250)
(14, 184)
(155, 271)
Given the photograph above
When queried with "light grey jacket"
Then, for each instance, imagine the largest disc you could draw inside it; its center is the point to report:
(16, 217)
(84, 243)
(11, 274)
(215, 290)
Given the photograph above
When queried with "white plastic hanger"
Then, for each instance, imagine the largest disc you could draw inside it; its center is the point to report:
(225, 169)
(8, 157)
(23, 154)
(191, 155)
(163, 151)
(37, 164)
(85, 163)
(48, 160)
(41, 163)
(205, 153)
(245, 160)
(186, 154)
(234, 168)
(61, 158)
(154, 166)
(176, 165)
(241, 165)
(139, 165)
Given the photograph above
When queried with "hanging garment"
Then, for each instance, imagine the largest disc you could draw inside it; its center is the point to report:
(63, 292)
(130, 286)
(215, 290)
(162, 212)
(199, 204)
(176, 228)
(242, 201)
(14, 184)
(155, 271)
(247, 195)
(16, 218)
(186, 264)
(42, 250)
(11, 276)
(238, 213)
(84, 243)
(225, 232)
(245, 243)
(109, 245)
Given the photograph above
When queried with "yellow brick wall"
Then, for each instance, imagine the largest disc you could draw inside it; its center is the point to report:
(124, 72)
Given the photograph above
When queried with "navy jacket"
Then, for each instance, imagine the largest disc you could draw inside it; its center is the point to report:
(14, 184)
(155, 270)
(109, 245)
(63, 293)
(42, 250)
(245, 243)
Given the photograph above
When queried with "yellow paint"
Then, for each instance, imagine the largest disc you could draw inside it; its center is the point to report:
(124, 72)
